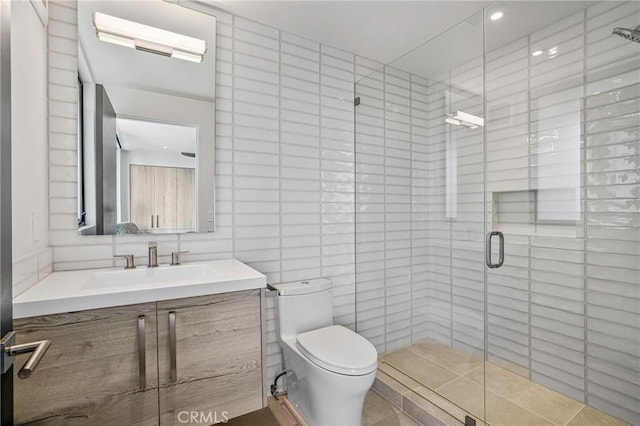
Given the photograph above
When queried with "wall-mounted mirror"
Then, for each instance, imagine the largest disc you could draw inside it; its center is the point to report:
(146, 79)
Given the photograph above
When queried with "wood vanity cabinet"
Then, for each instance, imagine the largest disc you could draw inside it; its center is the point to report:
(91, 373)
(217, 356)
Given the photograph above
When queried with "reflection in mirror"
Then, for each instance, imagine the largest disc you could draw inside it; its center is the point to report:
(147, 118)
(155, 176)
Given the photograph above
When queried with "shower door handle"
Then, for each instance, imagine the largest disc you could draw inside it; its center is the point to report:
(490, 263)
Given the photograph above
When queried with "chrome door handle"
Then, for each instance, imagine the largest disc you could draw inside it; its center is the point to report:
(142, 353)
(152, 221)
(173, 372)
(10, 350)
(157, 221)
(488, 260)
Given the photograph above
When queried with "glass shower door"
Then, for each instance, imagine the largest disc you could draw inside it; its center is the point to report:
(562, 187)
(420, 218)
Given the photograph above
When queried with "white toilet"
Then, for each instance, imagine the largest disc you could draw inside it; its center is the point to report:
(329, 367)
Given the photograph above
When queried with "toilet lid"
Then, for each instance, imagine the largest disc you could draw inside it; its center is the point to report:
(339, 350)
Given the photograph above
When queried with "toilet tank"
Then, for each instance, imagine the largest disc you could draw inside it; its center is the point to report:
(303, 306)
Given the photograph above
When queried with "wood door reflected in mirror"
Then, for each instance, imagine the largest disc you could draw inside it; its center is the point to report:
(161, 199)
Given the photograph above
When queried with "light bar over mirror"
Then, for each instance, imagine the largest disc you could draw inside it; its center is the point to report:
(145, 38)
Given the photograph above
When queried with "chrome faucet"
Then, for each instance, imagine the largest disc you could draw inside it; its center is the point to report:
(176, 257)
(130, 260)
(153, 255)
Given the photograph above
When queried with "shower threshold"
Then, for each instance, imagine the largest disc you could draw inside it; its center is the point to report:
(453, 381)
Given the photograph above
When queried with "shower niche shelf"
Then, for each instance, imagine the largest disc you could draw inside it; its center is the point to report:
(537, 211)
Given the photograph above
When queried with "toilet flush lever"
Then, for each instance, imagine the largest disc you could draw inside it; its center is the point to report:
(9, 350)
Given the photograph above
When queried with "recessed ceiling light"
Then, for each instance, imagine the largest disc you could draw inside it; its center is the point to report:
(164, 147)
(496, 15)
(537, 53)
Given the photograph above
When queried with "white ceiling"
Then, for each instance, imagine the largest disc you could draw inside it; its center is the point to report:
(143, 135)
(388, 30)
(464, 42)
(378, 30)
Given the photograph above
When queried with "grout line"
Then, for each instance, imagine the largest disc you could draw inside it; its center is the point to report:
(449, 219)
(384, 199)
(572, 418)
(320, 134)
(411, 219)
(535, 210)
(355, 202)
(583, 205)
(437, 363)
(280, 252)
(232, 138)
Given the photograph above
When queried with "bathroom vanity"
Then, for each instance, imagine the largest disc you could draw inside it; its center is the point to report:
(148, 362)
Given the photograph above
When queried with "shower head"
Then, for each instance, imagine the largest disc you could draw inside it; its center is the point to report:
(633, 35)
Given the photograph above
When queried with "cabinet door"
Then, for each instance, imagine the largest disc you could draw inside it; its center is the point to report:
(165, 197)
(186, 199)
(218, 356)
(141, 198)
(91, 373)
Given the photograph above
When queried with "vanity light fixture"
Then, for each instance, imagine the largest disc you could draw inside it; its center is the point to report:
(461, 118)
(148, 39)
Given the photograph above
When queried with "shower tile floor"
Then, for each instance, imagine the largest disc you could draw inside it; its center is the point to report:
(453, 381)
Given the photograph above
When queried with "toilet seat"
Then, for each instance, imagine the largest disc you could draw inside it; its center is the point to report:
(338, 350)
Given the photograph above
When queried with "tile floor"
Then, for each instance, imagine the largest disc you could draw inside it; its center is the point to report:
(432, 384)
(377, 412)
(454, 381)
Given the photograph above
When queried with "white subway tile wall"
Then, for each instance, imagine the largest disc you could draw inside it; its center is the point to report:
(562, 160)
(612, 212)
(295, 194)
(284, 162)
(29, 269)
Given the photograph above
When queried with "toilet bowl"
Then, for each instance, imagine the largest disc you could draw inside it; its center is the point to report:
(329, 367)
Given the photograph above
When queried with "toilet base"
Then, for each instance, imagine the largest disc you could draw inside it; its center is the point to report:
(322, 397)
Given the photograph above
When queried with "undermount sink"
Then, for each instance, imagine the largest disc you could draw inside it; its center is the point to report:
(161, 276)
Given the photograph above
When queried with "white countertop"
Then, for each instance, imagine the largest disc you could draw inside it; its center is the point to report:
(71, 291)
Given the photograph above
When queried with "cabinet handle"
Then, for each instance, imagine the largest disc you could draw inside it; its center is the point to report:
(151, 221)
(172, 347)
(157, 221)
(142, 353)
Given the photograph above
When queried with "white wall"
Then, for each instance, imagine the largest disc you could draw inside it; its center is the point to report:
(284, 162)
(30, 160)
(285, 179)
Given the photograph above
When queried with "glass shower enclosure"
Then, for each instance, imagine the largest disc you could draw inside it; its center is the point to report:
(498, 215)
